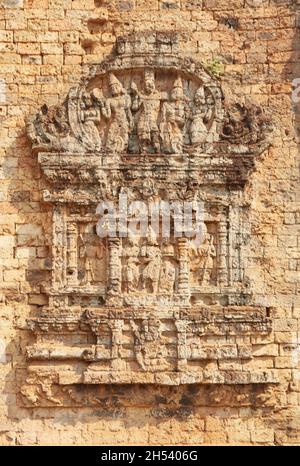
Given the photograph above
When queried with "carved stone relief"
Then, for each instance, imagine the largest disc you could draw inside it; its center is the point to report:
(152, 126)
(147, 110)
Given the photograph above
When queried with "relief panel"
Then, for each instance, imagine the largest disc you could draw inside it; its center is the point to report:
(129, 308)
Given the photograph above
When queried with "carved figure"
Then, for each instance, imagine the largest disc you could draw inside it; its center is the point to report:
(122, 305)
(49, 124)
(173, 120)
(131, 269)
(200, 116)
(152, 258)
(203, 259)
(94, 262)
(116, 110)
(245, 124)
(90, 117)
(167, 277)
(148, 105)
(147, 350)
(209, 252)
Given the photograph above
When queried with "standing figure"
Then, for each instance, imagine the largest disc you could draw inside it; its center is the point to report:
(167, 277)
(131, 269)
(148, 105)
(202, 259)
(209, 253)
(173, 120)
(94, 261)
(116, 110)
(201, 114)
(152, 259)
(90, 117)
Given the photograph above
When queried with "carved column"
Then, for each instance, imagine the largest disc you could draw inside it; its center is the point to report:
(181, 344)
(183, 275)
(116, 327)
(72, 254)
(58, 249)
(223, 269)
(115, 268)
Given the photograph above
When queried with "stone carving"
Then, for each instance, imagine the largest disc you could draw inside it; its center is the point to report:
(148, 105)
(167, 277)
(131, 268)
(90, 116)
(170, 349)
(203, 259)
(39, 389)
(152, 263)
(201, 115)
(92, 260)
(149, 353)
(155, 116)
(149, 266)
(49, 125)
(173, 120)
(142, 309)
(104, 397)
(246, 124)
(116, 109)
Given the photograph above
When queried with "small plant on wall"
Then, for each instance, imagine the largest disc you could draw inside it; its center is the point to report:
(216, 67)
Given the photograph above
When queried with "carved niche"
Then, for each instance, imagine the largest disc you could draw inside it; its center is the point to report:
(151, 124)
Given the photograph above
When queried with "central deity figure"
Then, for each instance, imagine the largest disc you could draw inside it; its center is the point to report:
(152, 257)
(173, 119)
(148, 104)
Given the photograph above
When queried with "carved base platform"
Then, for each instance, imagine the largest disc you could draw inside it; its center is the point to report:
(202, 345)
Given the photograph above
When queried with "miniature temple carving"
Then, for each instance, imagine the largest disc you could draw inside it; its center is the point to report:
(144, 304)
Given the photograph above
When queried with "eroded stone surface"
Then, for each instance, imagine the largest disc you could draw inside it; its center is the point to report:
(79, 315)
(166, 112)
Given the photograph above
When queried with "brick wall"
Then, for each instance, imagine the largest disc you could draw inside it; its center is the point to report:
(45, 47)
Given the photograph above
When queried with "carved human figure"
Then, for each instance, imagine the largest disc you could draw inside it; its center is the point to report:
(90, 118)
(149, 354)
(116, 110)
(148, 105)
(167, 277)
(209, 252)
(200, 116)
(152, 258)
(131, 268)
(173, 120)
(203, 259)
(94, 261)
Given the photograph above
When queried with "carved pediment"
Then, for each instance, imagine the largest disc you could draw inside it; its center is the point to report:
(135, 104)
(148, 101)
